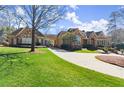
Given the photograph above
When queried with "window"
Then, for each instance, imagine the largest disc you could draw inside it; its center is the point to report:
(26, 40)
(78, 39)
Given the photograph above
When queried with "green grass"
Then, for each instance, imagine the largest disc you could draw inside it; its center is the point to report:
(21, 68)
(86, 51)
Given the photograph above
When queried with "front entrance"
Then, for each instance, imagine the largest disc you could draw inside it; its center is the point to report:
(93, 41)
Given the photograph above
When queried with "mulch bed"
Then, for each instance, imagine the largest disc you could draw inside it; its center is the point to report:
(112, 59)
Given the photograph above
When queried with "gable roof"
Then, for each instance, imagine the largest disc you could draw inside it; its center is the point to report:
(16, 32)
(72, 29)
(98, 33)
(38, 33)
(89, 33)
(51, 36)
(61, 33)
(84, 33)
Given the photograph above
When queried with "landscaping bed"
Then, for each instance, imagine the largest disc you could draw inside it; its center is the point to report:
(112, 59)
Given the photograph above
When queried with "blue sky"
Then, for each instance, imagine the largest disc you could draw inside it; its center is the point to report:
(86, 17)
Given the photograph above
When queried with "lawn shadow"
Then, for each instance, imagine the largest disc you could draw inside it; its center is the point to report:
(7, 54)
(10, 61)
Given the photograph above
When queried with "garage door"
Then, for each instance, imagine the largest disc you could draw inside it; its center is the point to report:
(26, 40)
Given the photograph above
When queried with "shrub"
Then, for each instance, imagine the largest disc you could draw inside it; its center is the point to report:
(90, 47)
(120, 46)
(105, 49)
(70, 47)
(65, 46)
(5, 43)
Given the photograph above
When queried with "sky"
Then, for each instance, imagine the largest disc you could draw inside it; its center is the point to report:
(85, 17)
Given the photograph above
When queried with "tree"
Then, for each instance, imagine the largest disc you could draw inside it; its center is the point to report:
(2, 7)
(71, 41)
(114, 22)
(39, 17)
(7, 23)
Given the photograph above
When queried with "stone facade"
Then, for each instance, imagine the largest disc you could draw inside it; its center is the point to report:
(23, 36)
(86, 38)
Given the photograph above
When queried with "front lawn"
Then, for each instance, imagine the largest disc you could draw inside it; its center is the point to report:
(86, 51)
(18, 67)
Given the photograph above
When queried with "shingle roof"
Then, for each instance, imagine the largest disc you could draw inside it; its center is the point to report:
(89, 33)
(16, 31)
(72, 29)
(97, 33)
(20, 29)
(61, 33)
(39, 33)
(84, 33)
(51, 36)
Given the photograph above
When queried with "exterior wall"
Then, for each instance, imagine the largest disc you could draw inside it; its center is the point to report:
(103, 42)
(59, 40)
(24, 35)
(53, 40)
(93, 39)
(80, 35)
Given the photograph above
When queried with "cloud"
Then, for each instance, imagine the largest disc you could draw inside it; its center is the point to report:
(73, 17)
(73, 7)
(53, 25)
(19, 10)
(61, 27)
(99, 25)
(122, 7)
(95, 25)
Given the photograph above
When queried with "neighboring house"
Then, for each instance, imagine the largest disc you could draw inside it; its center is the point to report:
(85, 38)
(118, 36)
(23, 36)
(102, 39)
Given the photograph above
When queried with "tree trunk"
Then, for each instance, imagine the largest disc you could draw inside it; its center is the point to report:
(33, 40)
(33, 29)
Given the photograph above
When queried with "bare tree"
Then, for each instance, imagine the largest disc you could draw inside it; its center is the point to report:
(114, 22)
(7, 20)
(39, 17)
(2, 7)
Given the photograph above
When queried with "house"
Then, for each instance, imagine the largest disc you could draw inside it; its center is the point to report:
(102, 39)
(85, 38)
(78, 34)
(22, 36)
(117, 36)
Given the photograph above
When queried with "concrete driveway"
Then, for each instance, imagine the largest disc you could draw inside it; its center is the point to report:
(89, 61)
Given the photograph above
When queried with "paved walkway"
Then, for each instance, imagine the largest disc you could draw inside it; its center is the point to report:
(89, 61)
